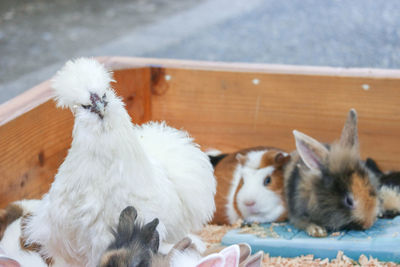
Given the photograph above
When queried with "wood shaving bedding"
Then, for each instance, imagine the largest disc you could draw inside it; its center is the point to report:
(213, 234)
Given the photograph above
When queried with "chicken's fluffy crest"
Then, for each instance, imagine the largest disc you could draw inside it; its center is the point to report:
(77, 78)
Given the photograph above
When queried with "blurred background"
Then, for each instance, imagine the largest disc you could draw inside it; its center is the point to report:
(38, 36)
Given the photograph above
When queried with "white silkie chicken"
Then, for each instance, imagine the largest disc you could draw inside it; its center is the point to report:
(112, 164)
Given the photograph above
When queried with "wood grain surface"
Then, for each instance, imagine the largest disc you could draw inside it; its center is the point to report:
(229, 110)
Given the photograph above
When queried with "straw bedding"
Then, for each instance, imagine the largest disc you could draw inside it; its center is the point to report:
(212, 234)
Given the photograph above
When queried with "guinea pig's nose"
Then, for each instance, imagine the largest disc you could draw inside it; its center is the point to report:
(249, 203)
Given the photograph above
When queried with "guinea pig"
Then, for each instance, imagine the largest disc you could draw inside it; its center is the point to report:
(250, 185)
(328, 187)
(389, 190)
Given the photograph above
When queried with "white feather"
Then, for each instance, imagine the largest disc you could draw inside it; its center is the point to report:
(187, 258)
(112, 164)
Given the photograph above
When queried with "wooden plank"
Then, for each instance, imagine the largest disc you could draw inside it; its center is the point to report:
(35, 143)
(128, 62)
(231, 110)
(33, 146)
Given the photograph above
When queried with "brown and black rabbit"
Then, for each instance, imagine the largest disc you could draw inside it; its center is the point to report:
(135, 244)
(328, 187)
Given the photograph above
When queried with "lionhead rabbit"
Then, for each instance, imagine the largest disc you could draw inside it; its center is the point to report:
(328, 187)
(136, 245)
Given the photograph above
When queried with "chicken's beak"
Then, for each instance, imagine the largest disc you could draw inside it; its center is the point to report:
(99, 108)
(98, 105)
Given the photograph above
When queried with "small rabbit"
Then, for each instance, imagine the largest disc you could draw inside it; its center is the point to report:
(136, 245)
(389, 190)
(328, 187)
(250, 185)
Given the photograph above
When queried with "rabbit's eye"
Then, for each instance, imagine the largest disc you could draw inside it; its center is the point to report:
(143, 263)
(86, 106)
(267, 180)
(348, 201)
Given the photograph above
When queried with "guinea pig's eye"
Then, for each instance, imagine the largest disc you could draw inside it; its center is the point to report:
(348, 201)
(267, 180)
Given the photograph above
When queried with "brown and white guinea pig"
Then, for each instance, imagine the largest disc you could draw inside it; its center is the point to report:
(328, 187)
(389, 190)
(250, 185)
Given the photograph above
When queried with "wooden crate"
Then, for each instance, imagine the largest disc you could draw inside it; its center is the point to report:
(223, 105)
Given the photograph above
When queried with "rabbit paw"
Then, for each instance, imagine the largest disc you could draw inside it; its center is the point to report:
(316, 231)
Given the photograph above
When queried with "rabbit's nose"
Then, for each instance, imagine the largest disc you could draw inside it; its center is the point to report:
(249, 203)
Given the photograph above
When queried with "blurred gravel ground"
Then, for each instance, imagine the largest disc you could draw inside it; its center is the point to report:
(38, 36)
(34, 34)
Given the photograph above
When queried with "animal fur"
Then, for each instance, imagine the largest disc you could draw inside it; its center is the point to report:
(11, 240)
(136, 245)
(8, 215)
(328, 187)
(113, 164)
(389, 190)
(241, 177)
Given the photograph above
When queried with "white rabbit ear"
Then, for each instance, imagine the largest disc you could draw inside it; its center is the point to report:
(253, 261)
(213, 260)
(349, 137)
(245, 251)
(232, 255)
(312, 152)
(7, 262)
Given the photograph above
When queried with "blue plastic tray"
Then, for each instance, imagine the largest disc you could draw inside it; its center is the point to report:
(382, 241)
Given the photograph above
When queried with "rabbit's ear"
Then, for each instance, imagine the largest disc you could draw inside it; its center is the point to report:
(150, 235)
(312, 152)
(126, 222)
(253, 261)
(245, 251)
(7, 262)
(213, 260)
(349, 137)
(232, 255)
(373, 166)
